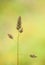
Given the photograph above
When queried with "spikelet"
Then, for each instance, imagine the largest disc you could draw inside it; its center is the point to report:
(21, 30)
(33, 56)
(10, 36)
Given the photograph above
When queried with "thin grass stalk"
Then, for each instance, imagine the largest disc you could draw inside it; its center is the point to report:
(18, 49)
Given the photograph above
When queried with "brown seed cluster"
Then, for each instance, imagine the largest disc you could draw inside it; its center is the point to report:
(10, 36)
(19, 26)
(33, 56)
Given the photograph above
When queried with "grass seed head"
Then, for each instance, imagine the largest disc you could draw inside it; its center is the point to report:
(18, 23)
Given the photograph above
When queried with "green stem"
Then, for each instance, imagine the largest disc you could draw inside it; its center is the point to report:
(18, 49)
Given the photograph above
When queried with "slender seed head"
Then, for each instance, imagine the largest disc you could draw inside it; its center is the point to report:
(18, 23)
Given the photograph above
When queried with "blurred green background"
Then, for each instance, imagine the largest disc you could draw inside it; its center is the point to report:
(32, 40)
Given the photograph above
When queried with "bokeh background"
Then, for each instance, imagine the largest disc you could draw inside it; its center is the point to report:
(32, 40)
